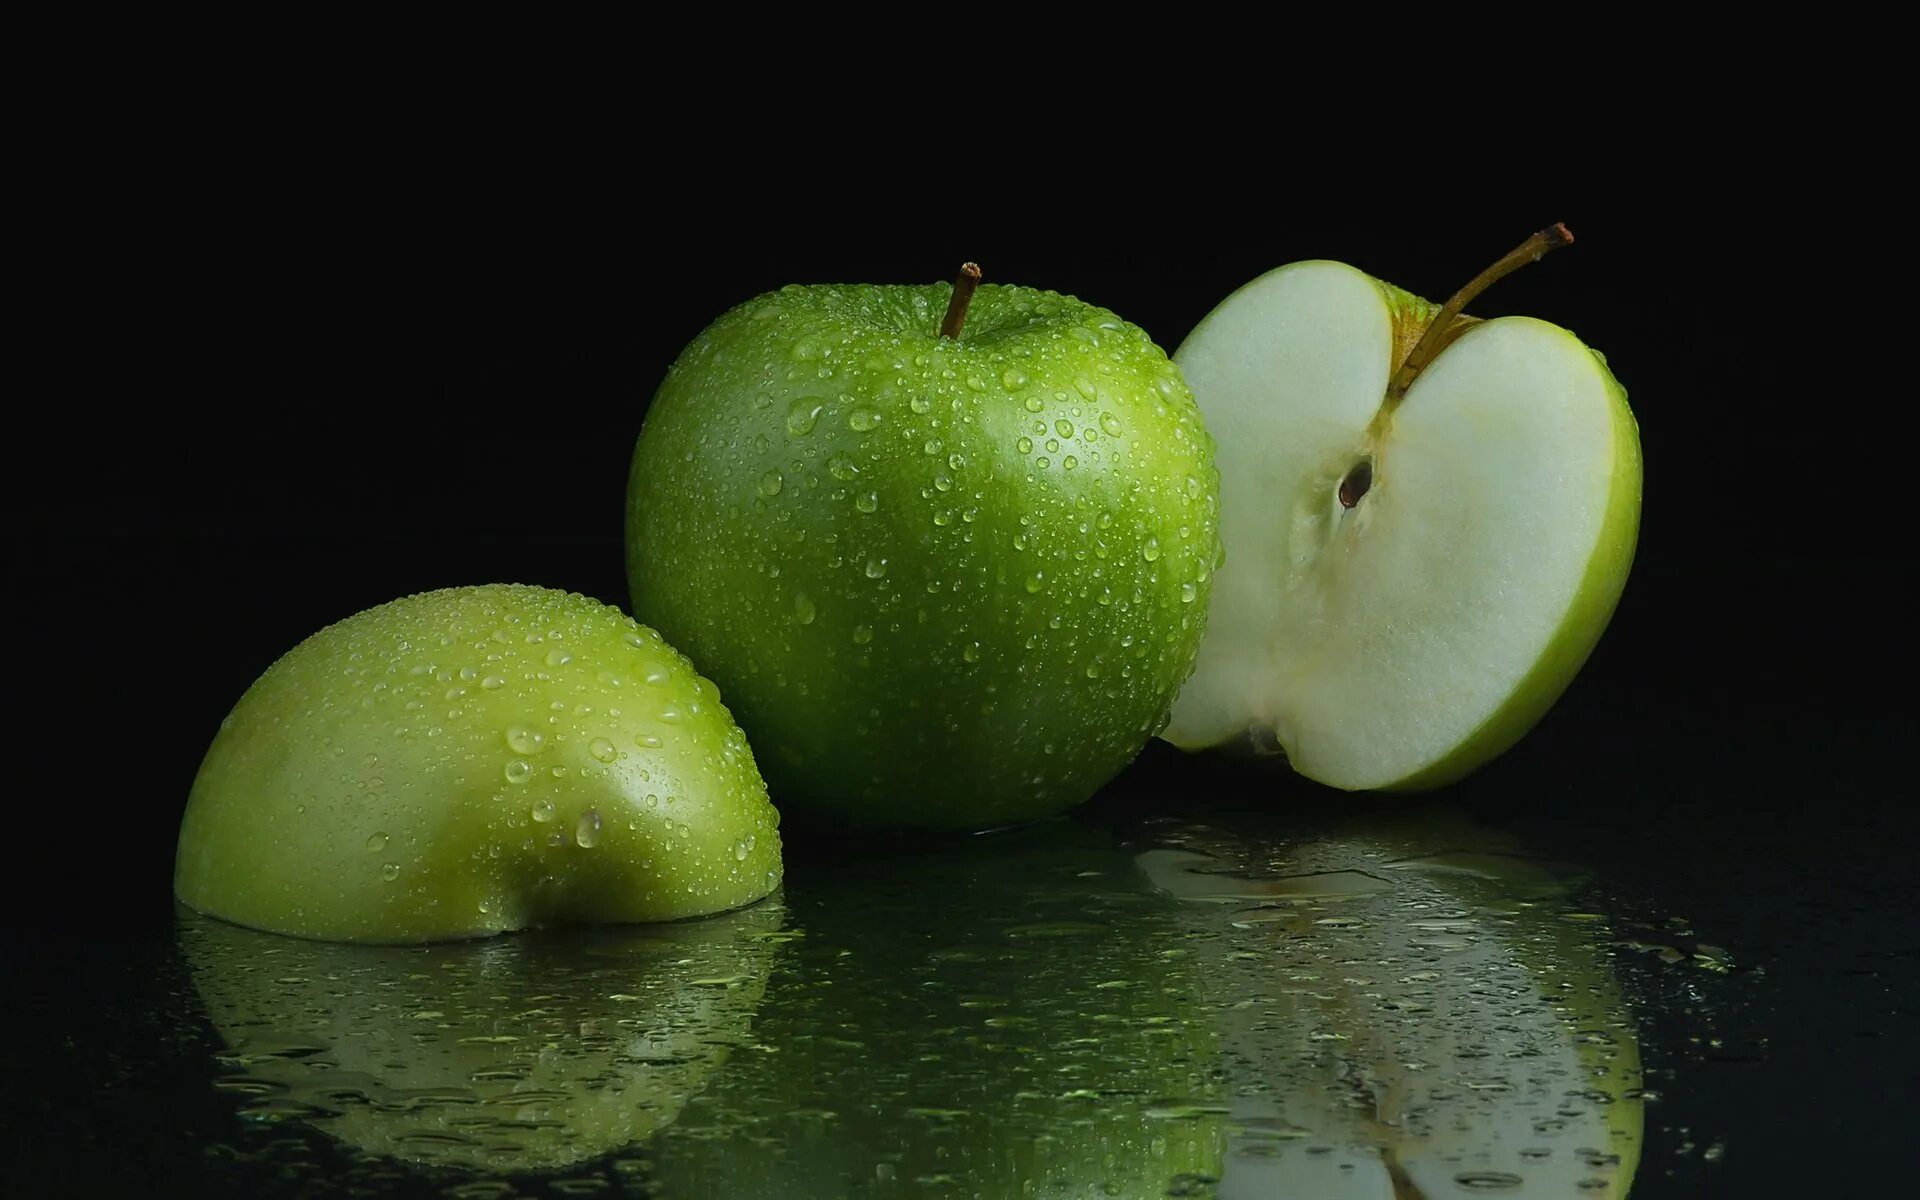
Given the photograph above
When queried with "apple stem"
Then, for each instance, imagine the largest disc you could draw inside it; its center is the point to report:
(963, 285)
(1437, 335)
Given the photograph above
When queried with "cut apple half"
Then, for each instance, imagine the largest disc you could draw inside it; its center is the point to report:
(1428, 521)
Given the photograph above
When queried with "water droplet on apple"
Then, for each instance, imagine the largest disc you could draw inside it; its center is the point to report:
(377, 842)
(1110, 423)
(657, 674)
(517, 771)
(770, 483)
(1188, 591)
(933, 446)
(862, 634)
(876, 568)
(802, 414)
(1151, 551)
(920, 404)
(558, 658)
(867, 501)
(943, 481)
(807, 349)
(1063, 427)
(1034, 404)
(543, 810)
(1024, 445)
(743, 847)
(804, 610)
(841, 467)
(1069, 462)
(862, 418)
(648, 741)
(971, 652)
(390, 872)
(1035, 580)
(1013, 378)
(602, 750)
(586, 831)
(1085, 387)
(523, 740)
(492, 682)
(1043, 462)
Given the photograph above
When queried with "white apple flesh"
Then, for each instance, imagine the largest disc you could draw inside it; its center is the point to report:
(1409, 586)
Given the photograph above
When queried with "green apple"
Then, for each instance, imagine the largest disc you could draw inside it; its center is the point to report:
(532, 1053)
(1429, 521)
(1409, 1008)
(474, 760)
(949, 572)
(1013, 1016)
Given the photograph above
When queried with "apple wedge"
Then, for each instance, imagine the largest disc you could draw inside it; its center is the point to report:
(1428, 521)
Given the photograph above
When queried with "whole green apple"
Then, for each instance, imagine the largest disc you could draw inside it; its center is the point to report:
(474, 760)
(949, 572)
(1431, 518)
(532, 1053)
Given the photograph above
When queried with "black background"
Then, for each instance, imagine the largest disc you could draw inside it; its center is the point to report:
(314, 390)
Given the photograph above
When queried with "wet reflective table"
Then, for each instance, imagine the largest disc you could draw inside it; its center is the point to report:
(1232, 996)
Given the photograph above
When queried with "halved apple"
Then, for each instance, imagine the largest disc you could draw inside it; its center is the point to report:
(1428, 520)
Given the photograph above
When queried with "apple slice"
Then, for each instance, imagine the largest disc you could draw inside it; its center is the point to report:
(1428, 521)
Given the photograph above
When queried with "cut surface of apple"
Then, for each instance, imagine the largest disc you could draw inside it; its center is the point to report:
(1409, 583)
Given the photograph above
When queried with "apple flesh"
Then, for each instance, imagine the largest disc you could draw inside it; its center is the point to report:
(474, 760)
(945, 582)
(535, 1053)
(1410, 586)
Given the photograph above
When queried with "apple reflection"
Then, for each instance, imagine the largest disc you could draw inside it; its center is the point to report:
(1408, 1008)
(526, 1053)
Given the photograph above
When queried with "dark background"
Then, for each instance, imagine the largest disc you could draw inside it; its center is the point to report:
(309, 393)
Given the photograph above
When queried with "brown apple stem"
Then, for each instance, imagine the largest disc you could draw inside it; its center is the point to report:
(963, 285)
(1437, 335)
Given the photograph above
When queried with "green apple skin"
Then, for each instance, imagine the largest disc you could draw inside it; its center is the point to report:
(943, 583)
(1586, 619)
(533, 1053)
(474, 760)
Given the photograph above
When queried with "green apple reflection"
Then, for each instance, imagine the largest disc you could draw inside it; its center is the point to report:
(1409, 1008)
(526, 1053)
(1015, 1015)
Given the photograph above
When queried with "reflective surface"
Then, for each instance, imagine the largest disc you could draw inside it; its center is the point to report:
(1368, 1001)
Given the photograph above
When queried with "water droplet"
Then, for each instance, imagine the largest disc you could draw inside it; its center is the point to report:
(1063, 427)
(586, 831)
(933, 446)
(1151, 551)
(1488, 1181)
(943, 481)
(841, 467)
(1188, 592)
(1024, 445)
(743, 847)
(920, 404)
(771, 483)
(517, 771)
(862, 634)
(1085, 387)
(492, 682)
(1110, 423)
(971, 652)
(543, 810)
(602, 750)
(522, 740)
(390, 872)
(944, 517)
(876, 568)
(1043, 462)
(803, 608)
(670, 716)
(558, 658)
(867, 501)
(807, 349)
(657, 674)
(802, 414)
(1035, 580)
(648, 741)
(1069, 462)
(1013, 378)
(862, 419)
(377, 842)
(1034, 404)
